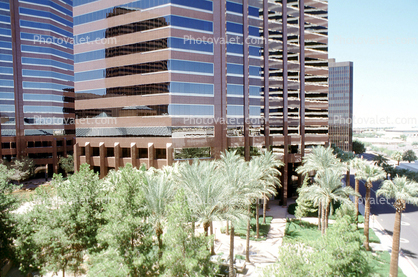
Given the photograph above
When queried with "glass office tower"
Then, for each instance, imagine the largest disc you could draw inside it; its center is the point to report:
(36, 80)
(341, 104)
(153, 77)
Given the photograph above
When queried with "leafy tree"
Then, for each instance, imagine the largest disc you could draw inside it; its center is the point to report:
(128, 235)
(241, 151)
(67, 164)
(304, 206)
(327, 190)
(185, 254)
(402, 191)
(358, 147)
(22, 169)
(403, 137)
(7, 223)
(409, 156)
(369, 173)
(338, 253)
(65, 221)
(397, 156)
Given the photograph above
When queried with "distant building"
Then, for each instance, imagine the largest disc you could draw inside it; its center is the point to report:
(340, 99)
(36, 80)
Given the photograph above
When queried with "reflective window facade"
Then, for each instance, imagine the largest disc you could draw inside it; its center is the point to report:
(36, 78)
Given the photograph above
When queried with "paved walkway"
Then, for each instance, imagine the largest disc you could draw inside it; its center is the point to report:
(262, 253)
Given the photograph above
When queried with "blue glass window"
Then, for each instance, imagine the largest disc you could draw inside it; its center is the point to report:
(4, 6)
(7, 108)
(232, 68)
(43, 97)
(238, 110)
(42, 109)
(90, 56)
(235, 89)
(189, 66)
(6, 70)
(5, 19)
(190, 110)
(7, 83)
(235, 48)
(36, 38)
(47, 62)
(252, 11)
(255, 71)
(44, 14)
(100, 91)
(255, 51)
(45, 26)
(47, 74)
(49, 3)
(46, 50)
(181, 43)
(45, 86)
(191, 88)
(255, 91)
(7, 95)
(139, 5)
(82, 2)
(234, 27)
(90, 75)
(5, 32)
(6, 58)
(191, 23)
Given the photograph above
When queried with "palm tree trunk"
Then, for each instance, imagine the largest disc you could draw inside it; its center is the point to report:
(367, 217)
(231, 252)
(264, 208)
(327, 215)
(159, 232)
(247, 241)
(193, 227)
(206, 228)
(393, 272)
(212, 246)
(323, 216)
(227, 227)
(347, 178)
(356, 189)
(257, 219)
(319, 216)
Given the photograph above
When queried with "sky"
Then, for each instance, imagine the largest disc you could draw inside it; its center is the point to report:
(381, 39)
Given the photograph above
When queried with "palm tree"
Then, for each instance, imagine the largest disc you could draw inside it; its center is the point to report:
(326, 190)
(158, 186)
(357, 164)
(397, 156)
(236, 175)
(402, 191)
(209, 195)
(318, 161)
(269, 178)
(379, 160)
(369, 173)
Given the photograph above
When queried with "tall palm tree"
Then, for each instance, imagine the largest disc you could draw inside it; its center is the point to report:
(357, 164)
(318, 161)
(369, 173)
(235, 173)
(327, 189)
(209, 195)
(402, 191)
(270, 171)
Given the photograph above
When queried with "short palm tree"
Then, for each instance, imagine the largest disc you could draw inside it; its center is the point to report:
(402, 191)
(326, 190)
(369, 173)
(397, 156)
(379, 160)
(318, 161)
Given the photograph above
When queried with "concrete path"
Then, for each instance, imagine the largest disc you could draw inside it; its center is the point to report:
(262, 253)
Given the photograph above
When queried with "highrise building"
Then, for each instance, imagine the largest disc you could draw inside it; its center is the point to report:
(341, 104)
(155, 77)
(36, 80)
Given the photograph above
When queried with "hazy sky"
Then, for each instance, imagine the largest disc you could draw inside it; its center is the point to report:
(381, 38)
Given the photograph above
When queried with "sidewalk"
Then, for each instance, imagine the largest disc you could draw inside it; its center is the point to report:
(262, 253)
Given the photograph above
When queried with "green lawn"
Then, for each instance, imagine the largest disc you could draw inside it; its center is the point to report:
(299, 230)
(241, 228)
